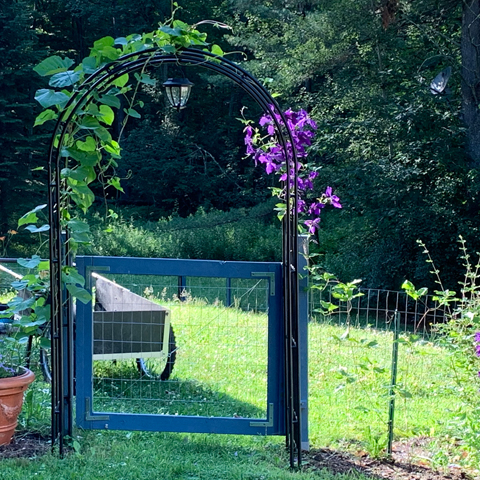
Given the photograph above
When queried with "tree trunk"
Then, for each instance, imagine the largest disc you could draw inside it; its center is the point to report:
(471, 76)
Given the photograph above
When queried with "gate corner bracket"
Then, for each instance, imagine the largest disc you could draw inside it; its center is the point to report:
(271, 276)
(269, 422)
(89, 417)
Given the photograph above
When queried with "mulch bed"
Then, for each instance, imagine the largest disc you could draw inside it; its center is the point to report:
(409, 462)
(26, 446)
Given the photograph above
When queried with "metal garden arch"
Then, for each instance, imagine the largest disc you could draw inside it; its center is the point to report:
(62, 324)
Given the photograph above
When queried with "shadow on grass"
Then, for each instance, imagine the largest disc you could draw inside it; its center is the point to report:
(120, 388)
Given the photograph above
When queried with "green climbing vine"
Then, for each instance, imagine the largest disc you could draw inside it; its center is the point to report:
(87, 148)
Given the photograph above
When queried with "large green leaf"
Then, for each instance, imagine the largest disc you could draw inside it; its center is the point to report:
(87, 159)
(78, 226)
(103, 42)
(47, 98)
(111, 100)
(18, 303)
(32, 262)
(114, 149)
(45, 116)
(103, 134)
(31, 216)
(88, 122)
(64, 79)
(217, 50)
(43, 313)
(71, 275)
(89, 65)
(121, 81)
(53, 65)
(110, 53)
(79, 293)
(81, 194)
(72, 173)
(173, 32)
(89, 145)
(104, 48)
(107, 115)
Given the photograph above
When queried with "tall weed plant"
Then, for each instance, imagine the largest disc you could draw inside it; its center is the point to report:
(461, 337)
(239, 234)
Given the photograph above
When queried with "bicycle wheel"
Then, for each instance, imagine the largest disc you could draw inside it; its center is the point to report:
(159, 368)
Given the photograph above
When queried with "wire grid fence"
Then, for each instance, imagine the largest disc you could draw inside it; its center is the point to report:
(219, 344)
(350, 365)
(215, 363)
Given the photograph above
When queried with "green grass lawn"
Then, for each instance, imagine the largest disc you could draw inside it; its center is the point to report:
(221, 370)
(140, 456)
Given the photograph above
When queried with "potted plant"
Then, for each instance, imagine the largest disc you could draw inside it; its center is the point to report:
(14, 380)
(24, 319)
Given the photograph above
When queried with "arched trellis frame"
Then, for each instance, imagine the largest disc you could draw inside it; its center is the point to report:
(61, 302)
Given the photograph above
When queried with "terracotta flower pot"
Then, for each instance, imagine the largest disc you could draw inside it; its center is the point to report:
(11, 400)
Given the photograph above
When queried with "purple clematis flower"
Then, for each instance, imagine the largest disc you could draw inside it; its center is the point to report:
(333, 199)
(312, 225)
(301, 205)
(277, 159)
(316, 208)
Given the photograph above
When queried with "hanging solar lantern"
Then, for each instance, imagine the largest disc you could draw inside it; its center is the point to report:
(178, 91)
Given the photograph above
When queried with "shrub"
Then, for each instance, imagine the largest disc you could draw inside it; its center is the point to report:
(243, 235)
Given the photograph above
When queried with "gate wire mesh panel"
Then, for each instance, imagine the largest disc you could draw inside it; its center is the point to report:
(351, 364)
(215, 363)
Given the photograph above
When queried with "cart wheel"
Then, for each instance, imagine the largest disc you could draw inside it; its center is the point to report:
(159, 368)
(46, 358)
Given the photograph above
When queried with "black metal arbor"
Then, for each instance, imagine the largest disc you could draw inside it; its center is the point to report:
(62, 333)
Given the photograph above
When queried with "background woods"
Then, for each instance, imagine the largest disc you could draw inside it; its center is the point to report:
(402, 153)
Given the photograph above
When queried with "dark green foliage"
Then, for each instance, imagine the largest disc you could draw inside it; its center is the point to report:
(21, 149)
(393, 152)
(248, 235)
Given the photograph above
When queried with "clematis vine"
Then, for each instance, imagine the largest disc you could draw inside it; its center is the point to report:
(267, 151)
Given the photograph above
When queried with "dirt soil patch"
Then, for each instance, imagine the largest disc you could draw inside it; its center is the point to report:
(25, 446)
(409, 462)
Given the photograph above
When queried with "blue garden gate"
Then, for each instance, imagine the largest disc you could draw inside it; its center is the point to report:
(183, 346)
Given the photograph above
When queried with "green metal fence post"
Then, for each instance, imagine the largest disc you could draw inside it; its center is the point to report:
(393, 382)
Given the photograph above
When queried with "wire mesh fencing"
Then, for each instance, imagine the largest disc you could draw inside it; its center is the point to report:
(351, 365)
(205, 338)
